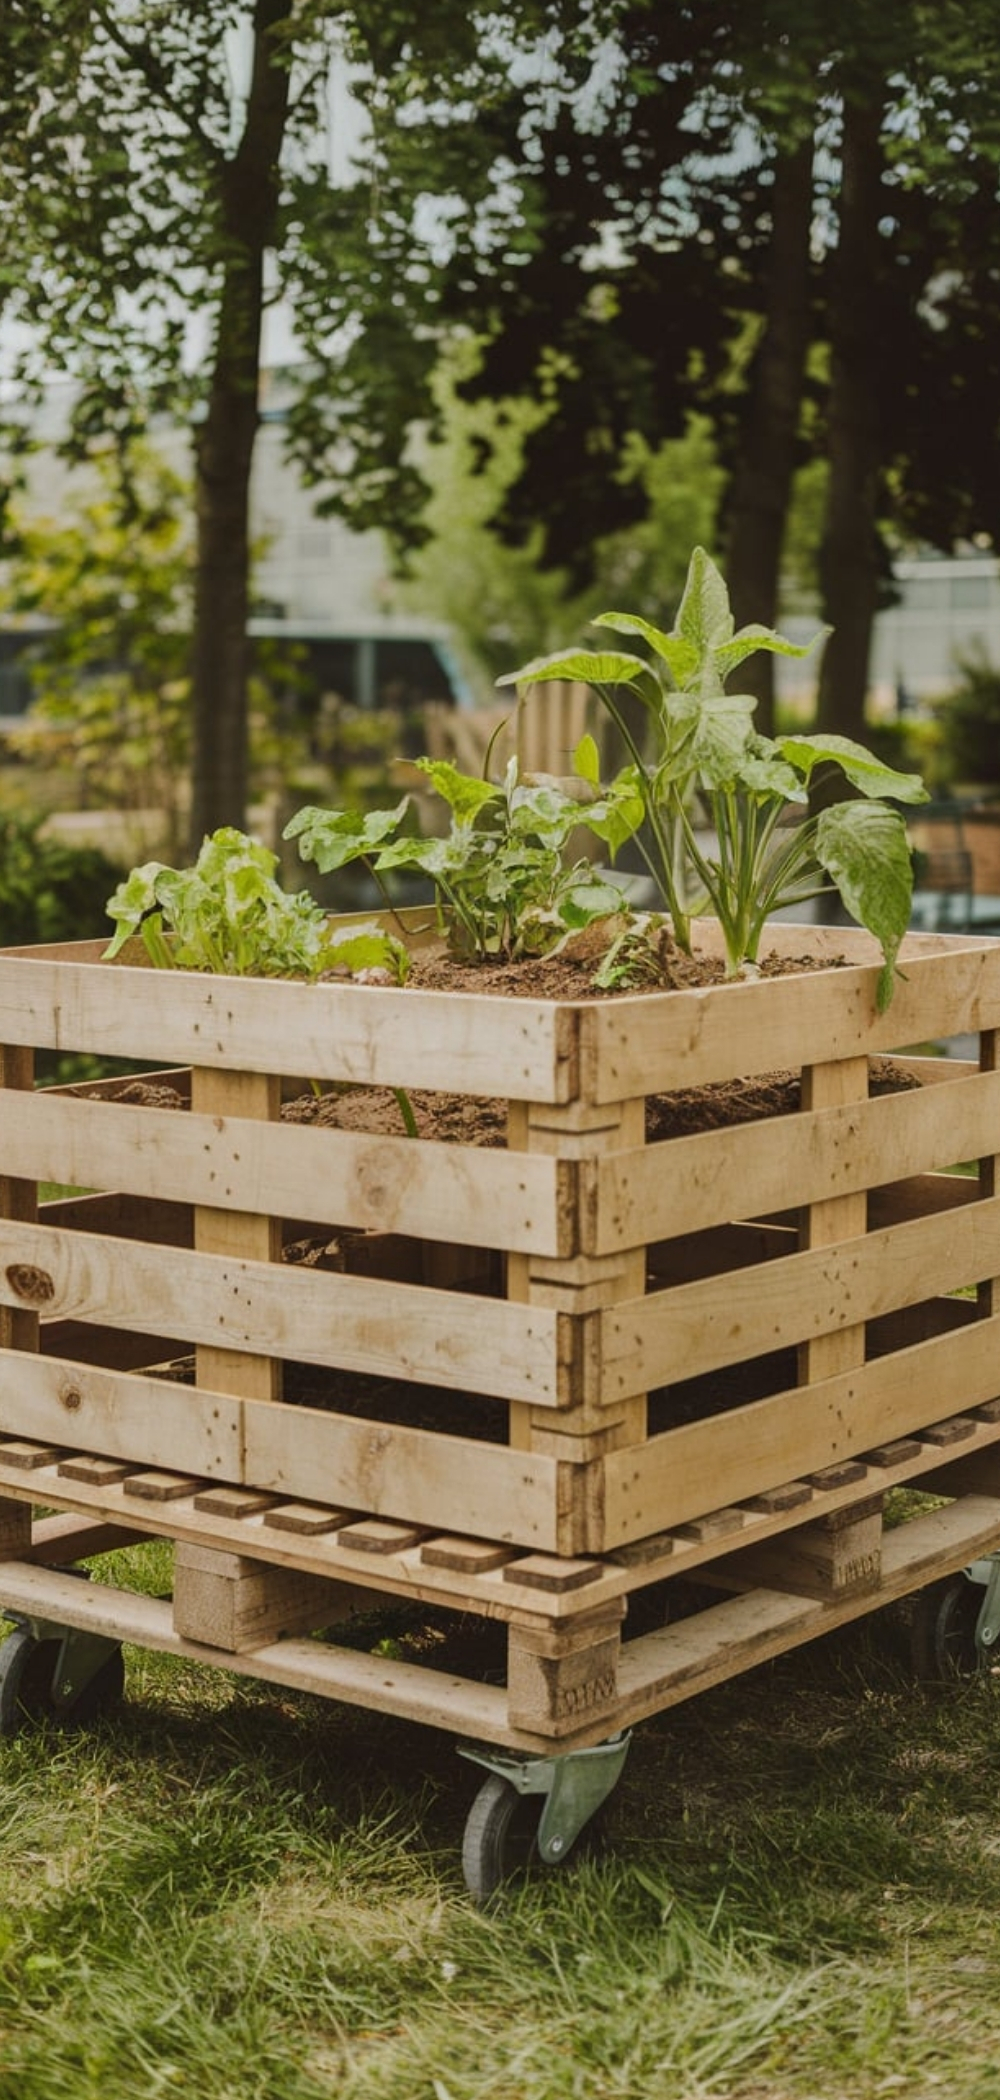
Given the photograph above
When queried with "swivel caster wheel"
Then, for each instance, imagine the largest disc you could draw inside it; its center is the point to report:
(57, 1675)
(943, 1630)
(27, 1667)
(500, 1843)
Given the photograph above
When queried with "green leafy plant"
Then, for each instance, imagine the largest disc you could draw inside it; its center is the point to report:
(229, 914)
(718, 798)
(504, 886)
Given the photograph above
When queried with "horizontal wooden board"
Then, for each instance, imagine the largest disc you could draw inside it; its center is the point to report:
(372, 1036)
(688, 1183)
(475, 1195)
(120, 1414)
(697, 1327)
(661, 1669)
(692, 1038)
(703, 1465)
(435, 1698)
(358, 1323)
(406, 1474)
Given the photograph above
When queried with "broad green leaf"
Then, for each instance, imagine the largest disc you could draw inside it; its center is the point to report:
(465, 793)
(862, 768)
(583, 664)
(588, 900)
(704, 617)
(749, 639)
(680, 655)
(862, 846)
(332, 838)
(763, 771)
(721, 727)
(367, 947)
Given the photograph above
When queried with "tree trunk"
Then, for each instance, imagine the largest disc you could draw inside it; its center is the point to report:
(763, 478)
(849, 556)
(248, 194)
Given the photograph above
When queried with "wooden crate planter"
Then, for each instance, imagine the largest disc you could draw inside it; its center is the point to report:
(824, 1266)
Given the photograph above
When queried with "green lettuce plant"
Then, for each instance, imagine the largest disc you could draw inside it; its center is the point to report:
(229, 914)
(729, 827)
(503, 884)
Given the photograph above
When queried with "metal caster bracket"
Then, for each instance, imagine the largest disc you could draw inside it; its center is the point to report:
(80, 1656)
(987, 1572)
(574, 1785)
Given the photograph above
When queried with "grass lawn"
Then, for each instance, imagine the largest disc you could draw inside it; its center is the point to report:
(228, 1892)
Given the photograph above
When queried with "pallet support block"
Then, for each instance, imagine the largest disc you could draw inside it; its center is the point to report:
(839, 1555)
(564, 1673)
(227, 1600)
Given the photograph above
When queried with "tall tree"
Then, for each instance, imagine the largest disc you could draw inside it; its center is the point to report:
(184, 172)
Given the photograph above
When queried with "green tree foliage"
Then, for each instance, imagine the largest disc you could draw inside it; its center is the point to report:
(173, 164)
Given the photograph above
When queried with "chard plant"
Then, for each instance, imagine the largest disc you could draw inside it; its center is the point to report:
(503, 886)
(228, 914)
(718, 798)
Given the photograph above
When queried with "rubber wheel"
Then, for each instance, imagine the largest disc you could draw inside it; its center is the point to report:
(943, 1629)
(27, 1666)
(99, 1695)
(500, 1841)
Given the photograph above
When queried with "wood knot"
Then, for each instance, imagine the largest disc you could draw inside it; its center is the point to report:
(71, 1397)
(34, 1286)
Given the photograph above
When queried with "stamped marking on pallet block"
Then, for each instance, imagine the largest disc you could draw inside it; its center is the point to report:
(466, 1556)
(554, 1681)
(157, 1486)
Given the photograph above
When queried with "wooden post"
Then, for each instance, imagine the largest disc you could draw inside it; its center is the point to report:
(580, 1286)
(19, 1328)
(837, 1218)
(988, 1291)
(245, 1235)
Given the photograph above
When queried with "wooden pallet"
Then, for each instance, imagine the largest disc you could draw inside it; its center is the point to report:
(252, 1570)
(828, 1264)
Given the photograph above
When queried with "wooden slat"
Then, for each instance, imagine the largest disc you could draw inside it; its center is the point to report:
(641, 1044)
(482, 1196)
(689, 1470)
(690, 1183)
(378, 1683)
(661, 1669)
(379, 1535)
(360, 1323)
(305, 1519)
(117, 1414)
(467, 1556)
(373, 1037)
(415, 1475)
(698, 1327)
